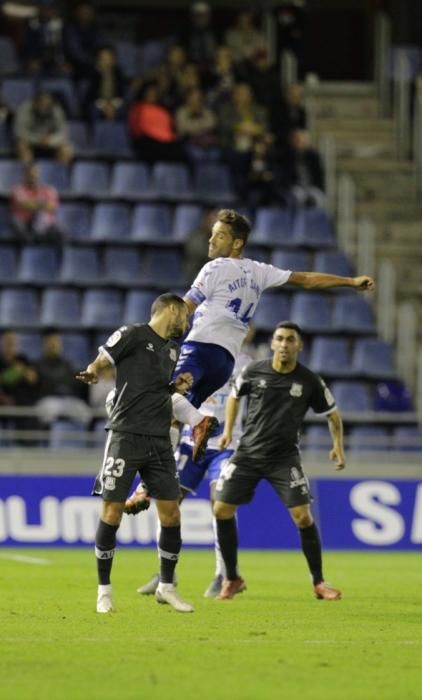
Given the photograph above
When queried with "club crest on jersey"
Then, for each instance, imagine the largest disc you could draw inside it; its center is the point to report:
(262, 384)
(113, 339)
(110, 483)
(173, 354)
(296, 389)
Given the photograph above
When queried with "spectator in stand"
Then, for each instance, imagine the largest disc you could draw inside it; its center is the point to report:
(242, 121)
(199, 39)
(106, 89)
(290, 29)
(81, 39)
(222, 77)
(244, 40)
(41, 130)
(152, 129)
(42, 50)
(18, 381)
(196, 126)
(264, 79)
(173, 75)
(59, 392)
(263, 183)
(196, 246)
(34, 207)
(302, 170)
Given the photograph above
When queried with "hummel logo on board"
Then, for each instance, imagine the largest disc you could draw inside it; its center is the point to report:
(150, 347)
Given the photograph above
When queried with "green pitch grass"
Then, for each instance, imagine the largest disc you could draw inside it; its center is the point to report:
(274, 641)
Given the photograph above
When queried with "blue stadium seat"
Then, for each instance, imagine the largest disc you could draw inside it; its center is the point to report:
(11, 174)
(19, 307)
(14, 91)
(77, 349)
(317, 437)
(61, 308)
(368, 438)
(78, 136)
(89, 178)
(129, 180)
(294, 260)
(330, 357)
(80, 265)
(257, 252)
(352, 396)
(373, 358)
(4, 222)
(273, 226)
(171, 181)
(353, 314)
(67, 435)
(313, 227)
(392, 396)
(272, 309)
(161, 268)
(75, 219)
(333, 263)
(38, 264)
(138, 306)
(312, 312)
(151, 223)
(54, 173)
(8, 263)
(407, 438)
(110, 222)
(121, 265)
(30, 345)
(187, 218)
(213, 183)
(5, 137)
(9, 62)
(63, 90)
(111, 139)
(102, 309)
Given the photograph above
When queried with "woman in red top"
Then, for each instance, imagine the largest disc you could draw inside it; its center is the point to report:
(151, 127)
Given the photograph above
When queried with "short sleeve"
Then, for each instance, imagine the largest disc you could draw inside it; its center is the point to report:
(203, 284)
(120, 344)
(242, 384)
(322, 400)
(273, 276)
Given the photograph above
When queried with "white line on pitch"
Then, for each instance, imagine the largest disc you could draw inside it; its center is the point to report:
(23, 559)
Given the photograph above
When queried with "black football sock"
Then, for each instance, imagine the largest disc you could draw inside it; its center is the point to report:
(169, 546)
(105, 546)
(227, 539)
(311, 546)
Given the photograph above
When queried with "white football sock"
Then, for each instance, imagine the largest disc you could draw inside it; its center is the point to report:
(220, 567)
(184, 412)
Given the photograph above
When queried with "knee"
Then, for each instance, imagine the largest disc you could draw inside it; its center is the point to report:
(223, 511)
(112, 513)
(170, 516)
(303, 520)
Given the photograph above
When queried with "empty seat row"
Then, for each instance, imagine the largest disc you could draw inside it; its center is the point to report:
(315, 313)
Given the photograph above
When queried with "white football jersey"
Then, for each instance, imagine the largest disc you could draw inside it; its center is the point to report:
(226, 292)
(215, 406)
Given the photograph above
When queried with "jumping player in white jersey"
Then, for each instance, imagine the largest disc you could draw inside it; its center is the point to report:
(224, 298)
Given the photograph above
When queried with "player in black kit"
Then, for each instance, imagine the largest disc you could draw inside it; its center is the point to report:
(280, 391)
(144, 357)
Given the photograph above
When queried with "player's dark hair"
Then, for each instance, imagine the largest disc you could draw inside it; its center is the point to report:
(165, 300)
(239, 224)
(291, 325)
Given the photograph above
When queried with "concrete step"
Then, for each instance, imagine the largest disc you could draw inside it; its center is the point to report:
(334, 88)
(355, 125)
(389, 210)
(343, 106)
(375, 165)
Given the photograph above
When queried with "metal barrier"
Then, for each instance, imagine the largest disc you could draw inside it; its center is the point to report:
(288, 68)
(327, 148)
(407, 330)
(419, 387)
(382, 51)
(346, 217)
(386, 300)
(402, 96)
(366, 245)
(417, 142)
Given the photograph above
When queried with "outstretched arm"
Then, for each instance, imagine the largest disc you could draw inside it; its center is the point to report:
(91, 374)
(336, 429)
(319, 280)
(232, 407)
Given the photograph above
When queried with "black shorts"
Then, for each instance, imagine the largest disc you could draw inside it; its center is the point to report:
(126, 455)
(239, 479)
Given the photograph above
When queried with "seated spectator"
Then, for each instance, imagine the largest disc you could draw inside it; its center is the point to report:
(264, 79)
(41, 130)
(81, 40)
(106, 89)
(58, 390)
(222, 77)
(152, 129)
(242, 121)
(18, 381)
(263, 184)
(173, 77)
(244, 39)
(293, 112)
(196, 125)
(302, 170)
(34, 207)
(42, 50)
(199, 38)
(6, 113)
